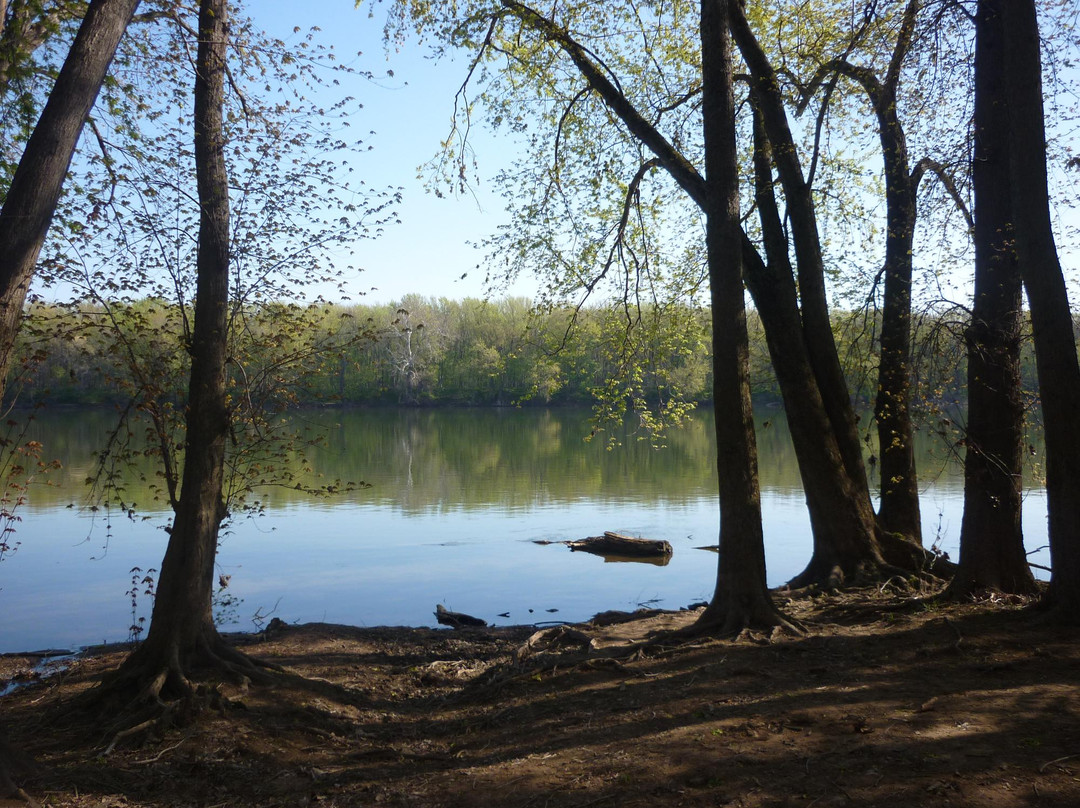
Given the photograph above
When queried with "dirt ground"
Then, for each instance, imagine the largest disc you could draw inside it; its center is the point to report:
(885, 701)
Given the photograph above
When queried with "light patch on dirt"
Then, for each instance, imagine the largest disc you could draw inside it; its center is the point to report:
(883, 702)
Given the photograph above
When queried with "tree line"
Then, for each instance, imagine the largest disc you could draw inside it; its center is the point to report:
(472, 352)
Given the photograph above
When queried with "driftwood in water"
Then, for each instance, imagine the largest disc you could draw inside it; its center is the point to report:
(616, 544)
(446, 617)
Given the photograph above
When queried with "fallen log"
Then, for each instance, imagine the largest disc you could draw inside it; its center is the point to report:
(616, 544)
(445, 617)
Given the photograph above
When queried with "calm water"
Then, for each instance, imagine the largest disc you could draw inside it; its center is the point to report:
(457, 500)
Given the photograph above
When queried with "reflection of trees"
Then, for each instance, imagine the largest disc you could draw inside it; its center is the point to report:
(424, 459)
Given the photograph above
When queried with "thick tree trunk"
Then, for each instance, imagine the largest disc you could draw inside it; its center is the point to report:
(35, 187)
(817, 326)
(741, 598)
(898, 509)
(841, 520)
(991, 540)
(182, 634)
(1055, 341)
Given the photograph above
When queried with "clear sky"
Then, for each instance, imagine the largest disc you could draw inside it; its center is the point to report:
(410, 114)
(433, 251)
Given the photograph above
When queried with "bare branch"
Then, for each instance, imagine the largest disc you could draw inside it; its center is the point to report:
(947, 179)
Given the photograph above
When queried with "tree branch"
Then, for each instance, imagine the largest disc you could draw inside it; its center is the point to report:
(680, 169)
(903, 44)
(947, 179)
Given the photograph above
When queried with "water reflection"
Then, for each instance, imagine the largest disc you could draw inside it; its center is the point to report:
(456, 500)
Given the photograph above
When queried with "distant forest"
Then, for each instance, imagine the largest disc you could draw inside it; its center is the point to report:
(429, 352)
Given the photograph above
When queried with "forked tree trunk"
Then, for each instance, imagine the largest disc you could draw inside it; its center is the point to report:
(991, 540)
(35, 187)
(182, 634)
(851, 538)
(810, 267)
(1055, 341)
(842, 522)
(741, 598)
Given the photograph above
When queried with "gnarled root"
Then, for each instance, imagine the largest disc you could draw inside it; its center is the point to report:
(830, 575)
(726, 618)
(155, 688)
(910, 556)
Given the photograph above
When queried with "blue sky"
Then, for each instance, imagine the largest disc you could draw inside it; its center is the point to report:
(433, 251)
(430, 251)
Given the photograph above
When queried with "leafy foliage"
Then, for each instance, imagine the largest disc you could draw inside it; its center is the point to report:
(124, 248)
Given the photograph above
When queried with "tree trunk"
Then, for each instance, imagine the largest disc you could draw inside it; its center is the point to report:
(741, 598)
(898, 509)
(35, 188)
(820, 344)
(991, 540)
(1055, 341)
(841, 520)
(182, 633)
(818, 338)
(817, 341)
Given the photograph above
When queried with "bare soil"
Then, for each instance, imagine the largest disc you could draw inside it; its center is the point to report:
(885, 701)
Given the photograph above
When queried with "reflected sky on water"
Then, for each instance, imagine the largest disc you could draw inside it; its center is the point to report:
(456, 502)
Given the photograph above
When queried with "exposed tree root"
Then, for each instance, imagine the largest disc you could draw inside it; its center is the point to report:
(831, 575)
(965, 588)
(738, 626)
(905, 554)
(901, 559)
(156, 689)
(731, 616)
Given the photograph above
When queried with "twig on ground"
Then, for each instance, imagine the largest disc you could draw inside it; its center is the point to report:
(1049, 763)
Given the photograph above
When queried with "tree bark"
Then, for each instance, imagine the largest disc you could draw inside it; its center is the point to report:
(182, 633)
(35, 187)
(810, 265)
(842, 521)
(741, 598)
(1055, 340)
(898, 507)
(991, 539)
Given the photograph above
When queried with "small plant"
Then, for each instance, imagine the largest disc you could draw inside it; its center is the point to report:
(140, 585)
(226, 605)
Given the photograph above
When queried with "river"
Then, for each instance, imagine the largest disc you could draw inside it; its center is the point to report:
(455, 503)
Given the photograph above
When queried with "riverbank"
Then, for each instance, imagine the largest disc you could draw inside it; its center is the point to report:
(886, 701)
